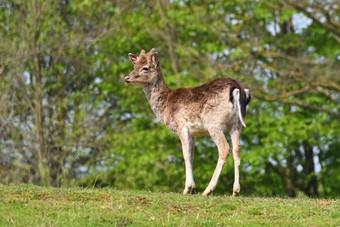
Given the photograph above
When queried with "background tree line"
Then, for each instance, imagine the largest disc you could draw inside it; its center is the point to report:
(67, 118)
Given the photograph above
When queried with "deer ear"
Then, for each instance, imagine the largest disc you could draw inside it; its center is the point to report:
(133, 58)
(154, 59)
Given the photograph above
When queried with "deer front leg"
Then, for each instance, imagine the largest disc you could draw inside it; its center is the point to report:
(235, 135)
(188, 142)
(223, 153)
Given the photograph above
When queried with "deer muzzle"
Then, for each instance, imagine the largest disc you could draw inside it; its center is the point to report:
(127, 78)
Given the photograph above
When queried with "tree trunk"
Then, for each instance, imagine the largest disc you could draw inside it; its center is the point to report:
(290, 173)
(309, 169)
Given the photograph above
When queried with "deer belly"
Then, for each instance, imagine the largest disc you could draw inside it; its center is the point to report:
(197, 128)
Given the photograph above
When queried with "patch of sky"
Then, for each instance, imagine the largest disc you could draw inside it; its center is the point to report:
(300, 22)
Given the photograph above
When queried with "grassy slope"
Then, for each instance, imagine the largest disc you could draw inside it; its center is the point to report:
(28, 205)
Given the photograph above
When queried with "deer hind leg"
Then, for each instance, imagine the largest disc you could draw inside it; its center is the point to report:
(223, 153)
(235, 135)
(188, 142)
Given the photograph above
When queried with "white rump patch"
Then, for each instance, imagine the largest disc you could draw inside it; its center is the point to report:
(247, 95)
(247, 92)
(236, 95)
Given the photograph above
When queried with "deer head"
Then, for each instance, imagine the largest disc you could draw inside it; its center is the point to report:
(146, 67)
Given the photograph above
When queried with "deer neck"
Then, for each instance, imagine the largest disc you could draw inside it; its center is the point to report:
(157, 94)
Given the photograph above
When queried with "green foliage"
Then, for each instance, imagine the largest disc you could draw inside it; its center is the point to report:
(92, 129)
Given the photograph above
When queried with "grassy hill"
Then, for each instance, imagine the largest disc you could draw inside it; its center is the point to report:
(28, 205)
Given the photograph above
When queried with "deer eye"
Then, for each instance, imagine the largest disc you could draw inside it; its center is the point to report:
(145, 69)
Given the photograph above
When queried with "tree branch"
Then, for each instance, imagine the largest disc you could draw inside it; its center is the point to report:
(329, 25)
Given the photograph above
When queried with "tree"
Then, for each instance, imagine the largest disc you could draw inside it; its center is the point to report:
(68, 118)
(51, 74)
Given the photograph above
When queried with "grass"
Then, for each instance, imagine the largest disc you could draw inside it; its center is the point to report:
(27, 205)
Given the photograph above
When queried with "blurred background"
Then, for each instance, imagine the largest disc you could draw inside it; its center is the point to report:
(68, 119)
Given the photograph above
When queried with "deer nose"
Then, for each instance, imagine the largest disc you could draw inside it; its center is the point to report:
(127, 78)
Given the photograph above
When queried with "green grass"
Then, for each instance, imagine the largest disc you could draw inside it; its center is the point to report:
(28, 205)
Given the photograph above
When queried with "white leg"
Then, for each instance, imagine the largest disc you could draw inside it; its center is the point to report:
(188, 143)
(237, 160)
(223, 153)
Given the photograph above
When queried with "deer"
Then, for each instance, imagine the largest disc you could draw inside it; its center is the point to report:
(190, 112)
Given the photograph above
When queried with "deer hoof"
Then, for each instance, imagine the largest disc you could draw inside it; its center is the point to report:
(236, 194)
(189, 190)
(207, 192)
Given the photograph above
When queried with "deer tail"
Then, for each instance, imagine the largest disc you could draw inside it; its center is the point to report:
(241, 99)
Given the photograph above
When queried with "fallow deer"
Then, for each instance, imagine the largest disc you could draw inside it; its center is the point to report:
(209, 109)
